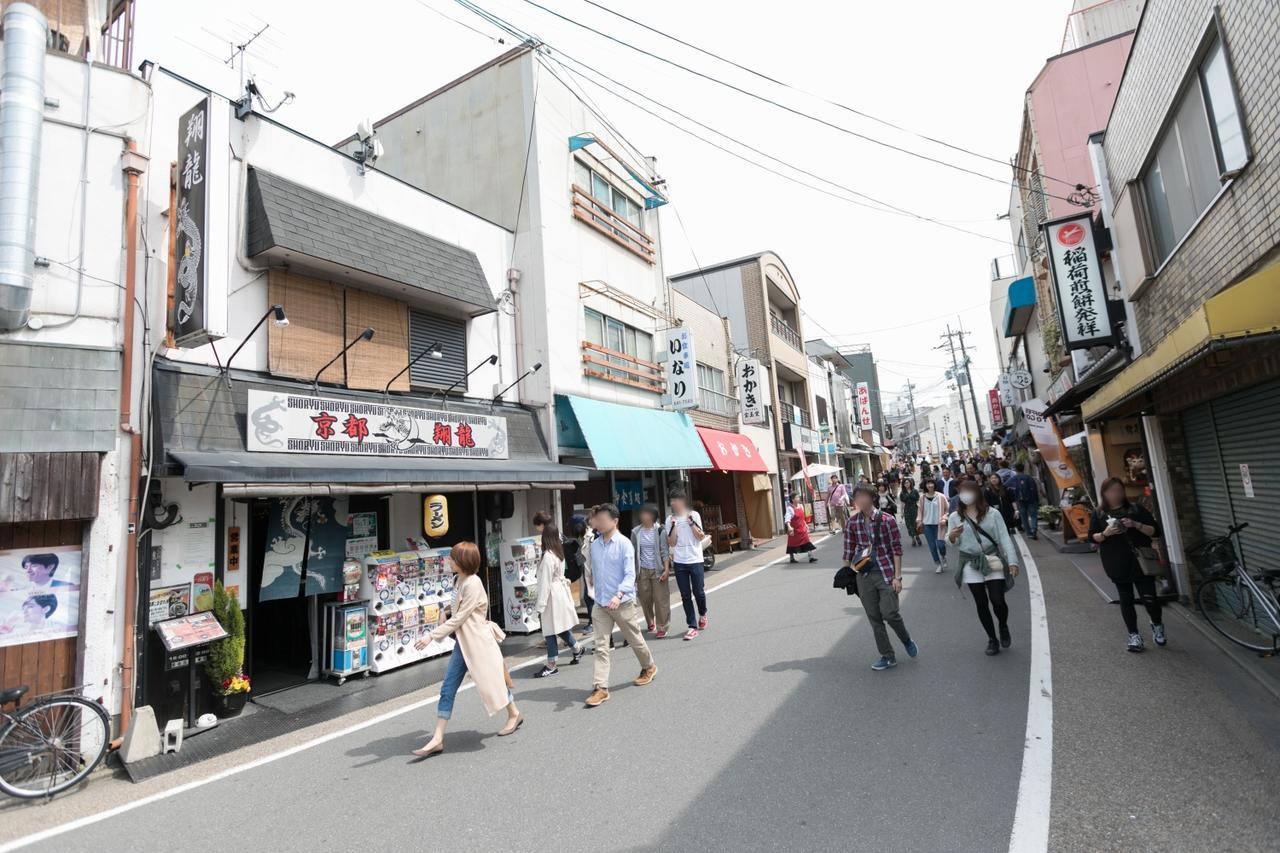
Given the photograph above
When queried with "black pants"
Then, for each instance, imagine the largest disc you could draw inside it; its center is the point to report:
(989, 596)
(1147, 592)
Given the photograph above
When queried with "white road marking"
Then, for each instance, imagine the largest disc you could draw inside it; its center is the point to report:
(89, 820)
(1031, 818)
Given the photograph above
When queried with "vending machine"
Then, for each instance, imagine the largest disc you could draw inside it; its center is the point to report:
(408, 592)
(519, 558)
(346, 639)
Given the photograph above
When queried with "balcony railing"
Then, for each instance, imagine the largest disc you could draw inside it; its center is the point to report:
(602, 218)
(602, 363)
(792, 415)
(717, 403)
(783, 330)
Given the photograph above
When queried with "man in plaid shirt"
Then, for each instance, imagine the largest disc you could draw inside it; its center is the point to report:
(874, 533)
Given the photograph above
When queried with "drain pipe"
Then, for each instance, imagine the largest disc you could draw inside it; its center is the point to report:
(26, 33)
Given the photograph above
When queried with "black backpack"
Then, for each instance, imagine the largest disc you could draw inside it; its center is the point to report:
(574, 562)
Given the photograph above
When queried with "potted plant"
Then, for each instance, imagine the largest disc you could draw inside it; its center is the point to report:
(225, 665)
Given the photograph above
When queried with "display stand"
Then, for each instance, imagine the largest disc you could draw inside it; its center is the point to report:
(407, 594)
(519, 559)
(186, 642)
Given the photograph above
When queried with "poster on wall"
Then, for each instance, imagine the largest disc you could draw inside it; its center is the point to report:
(289, 554)
(202, 592)
(682, 374)
(1045, 433)
(168, 602)
(298, 423)
(39, 594)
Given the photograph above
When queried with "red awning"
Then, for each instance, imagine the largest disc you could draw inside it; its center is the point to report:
(730, 451)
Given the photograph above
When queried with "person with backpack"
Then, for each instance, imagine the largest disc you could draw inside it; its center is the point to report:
(988, 561)
(1027, 492)
(653, 571)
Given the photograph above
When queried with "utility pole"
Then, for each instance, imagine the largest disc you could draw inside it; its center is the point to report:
(949, 344)
(911, 401)
(968, 375)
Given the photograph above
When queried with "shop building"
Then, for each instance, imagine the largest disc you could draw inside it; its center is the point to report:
(1189, 157)
(69, 385)
(762, 303)
(837, 403)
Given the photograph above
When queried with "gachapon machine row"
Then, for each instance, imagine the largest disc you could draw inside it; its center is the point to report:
(519, 559)
(407, 592)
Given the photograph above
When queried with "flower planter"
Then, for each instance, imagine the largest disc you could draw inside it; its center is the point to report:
(229, 704)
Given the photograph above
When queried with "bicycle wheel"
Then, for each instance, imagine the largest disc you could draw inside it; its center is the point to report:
(52, 745)
(1234, 612)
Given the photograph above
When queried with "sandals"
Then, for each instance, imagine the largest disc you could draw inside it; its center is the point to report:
(577, 654)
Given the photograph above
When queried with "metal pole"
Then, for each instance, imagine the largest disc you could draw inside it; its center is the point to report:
(915, 429)
(968, 375)
(955, 374)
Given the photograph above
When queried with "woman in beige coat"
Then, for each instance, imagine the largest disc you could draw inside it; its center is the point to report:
(555, 602)
(478, 651)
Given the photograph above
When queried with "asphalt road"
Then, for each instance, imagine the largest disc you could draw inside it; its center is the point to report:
(769, 731)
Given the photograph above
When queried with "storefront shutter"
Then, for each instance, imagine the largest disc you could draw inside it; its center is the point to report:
(451, 333)
(370, 364)
(1238, 429)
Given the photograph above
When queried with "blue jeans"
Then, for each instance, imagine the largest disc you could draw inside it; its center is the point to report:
(452, 681)
(553, 646)
(691, 577)
(1030, 512)
(937, 547)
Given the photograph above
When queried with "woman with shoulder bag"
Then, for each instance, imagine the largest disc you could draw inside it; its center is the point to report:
(555, 605)
(477, 651)
(1124, 531)
(988, 561)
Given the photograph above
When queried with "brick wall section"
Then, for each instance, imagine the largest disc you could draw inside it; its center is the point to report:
(1241, 230)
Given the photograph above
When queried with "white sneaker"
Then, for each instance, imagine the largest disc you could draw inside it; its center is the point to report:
(1135, 643)
(937, 569)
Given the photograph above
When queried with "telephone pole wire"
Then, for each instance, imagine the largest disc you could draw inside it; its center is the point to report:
(968, 375)
(950, 344)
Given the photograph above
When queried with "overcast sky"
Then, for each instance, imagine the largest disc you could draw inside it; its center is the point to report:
(953, 71)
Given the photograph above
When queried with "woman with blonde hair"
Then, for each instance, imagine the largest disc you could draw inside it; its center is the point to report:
(477, 652)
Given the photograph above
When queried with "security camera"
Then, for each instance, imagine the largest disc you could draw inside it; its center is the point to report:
(364, 129)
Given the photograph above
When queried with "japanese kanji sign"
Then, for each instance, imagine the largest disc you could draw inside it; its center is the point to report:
(864, 406)
(190, 214)
(301, 423)
(752, 391)
(682, 369)
(1080, 289)
(997, 408)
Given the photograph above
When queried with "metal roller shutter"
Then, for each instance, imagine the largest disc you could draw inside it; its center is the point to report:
(427, 329)
(1239, 429)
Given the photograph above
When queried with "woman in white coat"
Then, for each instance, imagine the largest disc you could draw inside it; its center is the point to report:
(555, 602)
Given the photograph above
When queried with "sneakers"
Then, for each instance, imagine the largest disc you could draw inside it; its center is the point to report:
(884, 663)
(598, 697)
(993, 646)
(546, 671)
(691, 634)
(937, 568)
(651, 627)
(577, 654)
(590, 629)
(660, 634)
(1005, 639)
(1135, 643)
(646, 675)
(1157, 632)
(702, 622)
(912, 648)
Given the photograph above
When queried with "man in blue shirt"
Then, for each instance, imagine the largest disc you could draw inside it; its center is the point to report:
(612, 581)
(1027, 492)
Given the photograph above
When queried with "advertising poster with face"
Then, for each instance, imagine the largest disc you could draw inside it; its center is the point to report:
(39, 594)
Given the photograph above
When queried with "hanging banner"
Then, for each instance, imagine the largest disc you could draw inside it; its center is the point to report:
(304, 534)
(1078, 283)
(681, 368)
(191, 214)
(299, 423)
(864, 406)
(752, 392)
(39, 595)
(1005, 384)
(997, 408)
(1045, 433)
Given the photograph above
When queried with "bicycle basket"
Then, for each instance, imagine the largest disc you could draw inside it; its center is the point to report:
(1215, 557)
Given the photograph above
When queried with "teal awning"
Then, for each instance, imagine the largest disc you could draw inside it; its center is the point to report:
(628, 438)
(1019, 308)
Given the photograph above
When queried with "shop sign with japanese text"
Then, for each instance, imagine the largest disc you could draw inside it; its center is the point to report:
(682, 372)
(751, 391)
(864, 405)
(301, 423)
(191, 213)
(1079, 287)
(997, 409)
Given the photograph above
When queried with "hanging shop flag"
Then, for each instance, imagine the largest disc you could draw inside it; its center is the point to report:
(752, 391)
(682, 372)
(304, 535)
(1078, 284)
(39, 595)
(1005, 385)
(301, 423)
(1045, 433)
(864, 405)
(198, 276)
(628, 494)
(997, 408)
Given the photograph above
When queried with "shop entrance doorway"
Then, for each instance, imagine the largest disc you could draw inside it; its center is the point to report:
(278, 639)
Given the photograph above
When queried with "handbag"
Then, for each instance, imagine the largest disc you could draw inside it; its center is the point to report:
(996, 561)
(1148, 560)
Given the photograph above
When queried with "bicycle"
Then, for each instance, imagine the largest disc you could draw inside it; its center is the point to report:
(1243, 607)
(51, 744)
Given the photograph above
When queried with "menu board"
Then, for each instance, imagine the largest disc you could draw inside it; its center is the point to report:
(194, 629)
(166, 602)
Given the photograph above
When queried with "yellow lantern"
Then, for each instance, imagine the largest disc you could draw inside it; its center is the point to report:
(435, 515)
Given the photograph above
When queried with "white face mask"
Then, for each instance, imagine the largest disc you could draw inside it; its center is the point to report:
(968, 498)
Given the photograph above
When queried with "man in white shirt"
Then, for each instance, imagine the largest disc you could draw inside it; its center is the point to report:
(684, 535)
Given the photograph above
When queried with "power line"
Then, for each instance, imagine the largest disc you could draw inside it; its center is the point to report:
(774, 103)
(836, 104)
(481, 33)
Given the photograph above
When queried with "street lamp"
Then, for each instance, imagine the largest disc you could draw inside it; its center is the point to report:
(366, 335)
(435, 351)
(497, 398)
(444, 398)
(281, 321)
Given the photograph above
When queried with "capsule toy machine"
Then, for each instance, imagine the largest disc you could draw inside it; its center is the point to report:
(346, 639)
(520, 584)
(403, 588)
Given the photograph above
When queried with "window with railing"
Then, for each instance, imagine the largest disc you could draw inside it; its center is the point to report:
(713, 396)
(610, 210)
(783, 329)
(616, 352)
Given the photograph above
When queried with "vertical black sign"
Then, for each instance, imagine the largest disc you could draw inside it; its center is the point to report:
(191, 213)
